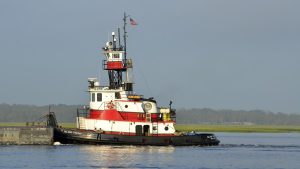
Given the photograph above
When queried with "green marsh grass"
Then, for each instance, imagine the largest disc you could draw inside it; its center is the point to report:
(206, 127)
(237, 128)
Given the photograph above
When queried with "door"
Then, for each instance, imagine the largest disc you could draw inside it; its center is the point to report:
(146, 130)
(139, 130)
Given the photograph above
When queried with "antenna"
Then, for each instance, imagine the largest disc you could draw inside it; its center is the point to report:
(114, 40)
(119, 38)
(170, 104)
(49, 108)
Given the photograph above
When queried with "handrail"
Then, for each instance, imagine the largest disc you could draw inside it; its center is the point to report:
(126, 114)
(101, 105)
(82, 111)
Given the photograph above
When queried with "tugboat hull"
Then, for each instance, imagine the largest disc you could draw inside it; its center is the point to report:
(68, 136)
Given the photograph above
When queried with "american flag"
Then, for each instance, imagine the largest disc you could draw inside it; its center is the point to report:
(133, 22)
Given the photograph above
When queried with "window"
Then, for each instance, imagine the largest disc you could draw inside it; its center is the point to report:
(99, 97)
(116, 56)
(93, 97)
(118, 95)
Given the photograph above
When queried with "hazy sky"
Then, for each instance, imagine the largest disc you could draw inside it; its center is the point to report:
(216, 54)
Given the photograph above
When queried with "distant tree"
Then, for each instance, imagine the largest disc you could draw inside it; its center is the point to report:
(206, 115)
(67, 113)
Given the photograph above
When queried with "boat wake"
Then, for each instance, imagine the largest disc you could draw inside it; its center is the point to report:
(262, 147)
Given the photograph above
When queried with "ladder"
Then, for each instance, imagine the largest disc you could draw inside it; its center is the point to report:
(81, 122)
(155, 128)
(148, 117)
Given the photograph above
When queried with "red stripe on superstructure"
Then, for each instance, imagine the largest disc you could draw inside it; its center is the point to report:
(117, 116)
(114, 65)
(111, 114)
(123, 116)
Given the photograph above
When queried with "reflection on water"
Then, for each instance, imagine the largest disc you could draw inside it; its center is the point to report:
(125, 156)
(127, 149)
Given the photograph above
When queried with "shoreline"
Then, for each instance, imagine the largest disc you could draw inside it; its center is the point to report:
(207, 127)
(238, 128)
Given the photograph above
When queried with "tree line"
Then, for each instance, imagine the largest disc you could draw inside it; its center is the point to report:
(67, 113)
(227, 116)
(30, 113)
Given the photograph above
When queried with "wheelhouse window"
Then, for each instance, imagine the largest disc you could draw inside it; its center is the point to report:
(99, 97)
(93, 97)
(117, 56)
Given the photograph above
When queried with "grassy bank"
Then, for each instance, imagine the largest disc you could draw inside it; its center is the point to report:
(209, 127)
(238, 128)
(68, 125)
(12, 124)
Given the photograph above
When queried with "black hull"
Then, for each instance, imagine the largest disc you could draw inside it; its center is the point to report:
(68, 136)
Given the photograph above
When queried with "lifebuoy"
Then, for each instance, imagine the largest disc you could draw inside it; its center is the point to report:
(147, 106)
(110, 105)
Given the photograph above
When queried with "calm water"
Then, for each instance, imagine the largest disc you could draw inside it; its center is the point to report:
(237, 151)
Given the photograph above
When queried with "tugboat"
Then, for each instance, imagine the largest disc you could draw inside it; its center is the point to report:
(117, 115)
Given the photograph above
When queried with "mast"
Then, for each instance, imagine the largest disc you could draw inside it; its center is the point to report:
(127, 62)
(125, 35)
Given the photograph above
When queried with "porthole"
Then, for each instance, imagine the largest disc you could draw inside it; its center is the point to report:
(166, 128)
(126, 106)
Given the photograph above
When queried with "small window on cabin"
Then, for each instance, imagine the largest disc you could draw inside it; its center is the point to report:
(99, 97)
(118, 95)
(93, 97)
(116, 56)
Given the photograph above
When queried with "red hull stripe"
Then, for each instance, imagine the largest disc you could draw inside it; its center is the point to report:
(133, 134)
